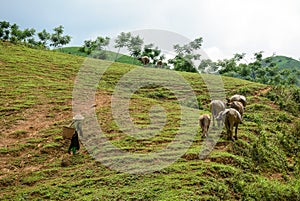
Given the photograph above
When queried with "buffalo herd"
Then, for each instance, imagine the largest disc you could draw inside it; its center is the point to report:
(229, 113)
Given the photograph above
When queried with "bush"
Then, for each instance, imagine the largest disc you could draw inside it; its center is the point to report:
(264, 189)
(244, 91)
(282, 117)
(267, 156)
(290, 143)
(288, 99)
(99, 55)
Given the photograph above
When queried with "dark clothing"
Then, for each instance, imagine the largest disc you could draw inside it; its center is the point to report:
(74, 144)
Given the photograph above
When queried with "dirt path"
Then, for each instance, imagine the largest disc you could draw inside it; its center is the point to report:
(263, 91)
(34, 119)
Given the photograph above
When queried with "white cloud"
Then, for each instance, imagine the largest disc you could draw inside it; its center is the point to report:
(214, 53)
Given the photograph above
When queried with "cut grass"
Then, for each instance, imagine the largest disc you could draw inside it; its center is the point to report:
(110, 56)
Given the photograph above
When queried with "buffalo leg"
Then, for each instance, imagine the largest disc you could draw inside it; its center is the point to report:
(236, 128)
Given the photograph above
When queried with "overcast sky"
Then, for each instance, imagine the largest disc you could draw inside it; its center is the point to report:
(227, 26)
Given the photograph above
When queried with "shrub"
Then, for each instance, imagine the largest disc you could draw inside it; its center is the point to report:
(263, 189)
(290, 143)
(267, 156)
(244, 91)
(288, 99)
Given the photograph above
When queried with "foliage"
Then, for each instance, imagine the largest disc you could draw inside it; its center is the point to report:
(290, 142)
(13, 34)
(266, 71)
(18, 35)
(110, 56)
(153, 53)
(267, 155)
(95, 47)
(122, 41)
(57, 39)
(208, 66)
(186, 56)
(282, 62)
(134, 46)
(4, 30)
(44, 37)
(287, 98)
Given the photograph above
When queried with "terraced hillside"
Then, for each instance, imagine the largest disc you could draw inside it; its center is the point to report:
(36, 91)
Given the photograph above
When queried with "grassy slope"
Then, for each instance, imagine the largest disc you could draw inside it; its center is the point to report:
(36, 93)
(111, 56)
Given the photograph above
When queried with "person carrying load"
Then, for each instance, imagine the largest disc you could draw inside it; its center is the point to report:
(77, 122)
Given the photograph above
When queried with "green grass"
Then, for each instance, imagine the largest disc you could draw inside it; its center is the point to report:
(110, 56)
(37, 85)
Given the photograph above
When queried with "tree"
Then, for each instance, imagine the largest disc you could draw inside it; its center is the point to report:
(182, 64)
(122, 41)
(245, 71)
(238, 57)
(153, 53)
(96, 46)
(292, 79)
(183, 61)
(15, 33)
(135, 46)
(255, 66)
(208, 66)
(4, 30)
(58, 39)
(101, 42)
(87, 47)
(229, 66)
(27, 36)
(44, 36)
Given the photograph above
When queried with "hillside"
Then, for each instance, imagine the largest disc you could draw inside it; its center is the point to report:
(284, 62)
(36, 91)
(110, 56)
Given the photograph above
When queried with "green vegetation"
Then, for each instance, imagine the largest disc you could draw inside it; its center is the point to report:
(12, 33)
(183, 61)
(185, 54)
(110, 56)
(275, 70)
(36, 91)
(283, 62)
(95, 47)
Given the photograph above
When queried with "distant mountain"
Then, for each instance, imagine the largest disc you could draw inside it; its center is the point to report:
(283, 62)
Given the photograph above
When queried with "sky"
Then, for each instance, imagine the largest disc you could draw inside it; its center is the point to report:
(226, 26)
